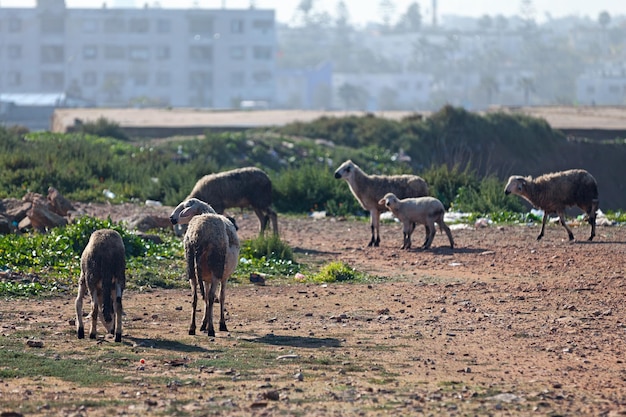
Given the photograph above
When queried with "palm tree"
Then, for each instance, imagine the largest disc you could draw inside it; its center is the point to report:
(527, 84)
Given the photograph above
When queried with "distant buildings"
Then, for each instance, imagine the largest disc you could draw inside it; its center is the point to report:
(207, 58)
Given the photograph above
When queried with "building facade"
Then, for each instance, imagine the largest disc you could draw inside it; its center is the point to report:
(205, 58)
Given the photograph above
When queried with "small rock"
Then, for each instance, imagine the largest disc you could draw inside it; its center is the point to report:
(35, 343)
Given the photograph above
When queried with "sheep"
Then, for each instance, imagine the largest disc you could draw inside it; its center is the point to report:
(212, 253)
(420, 210)
(369, 189)
(244, 187)
(556, 191)
(103, 274)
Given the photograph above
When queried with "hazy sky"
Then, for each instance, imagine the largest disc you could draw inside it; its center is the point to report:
(367, 10)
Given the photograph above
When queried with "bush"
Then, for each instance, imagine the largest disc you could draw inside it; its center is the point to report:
(337, 272)
(103, 128)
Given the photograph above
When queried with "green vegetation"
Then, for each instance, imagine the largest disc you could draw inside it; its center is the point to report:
(465, 158)
(338, 272)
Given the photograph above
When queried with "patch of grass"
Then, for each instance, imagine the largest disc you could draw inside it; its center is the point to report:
(338, 272)
(20, 363)
(266, 255)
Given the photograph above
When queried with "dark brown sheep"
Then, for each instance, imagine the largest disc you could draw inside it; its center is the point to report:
(103, 274)
(554, 192)
(244, 187)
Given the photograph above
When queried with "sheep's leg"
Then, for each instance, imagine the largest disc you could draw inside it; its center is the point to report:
(446, 229)
(205, 316)
(194, 304)
(223, 327)
(80, 327)
(273, 219)
(118, 312)
(543, 225)
(375, 226)
(426, 237)
(211, 300)
(561, 215)
(431, 235)
(96, 300)
(591, 217)
(263, 219)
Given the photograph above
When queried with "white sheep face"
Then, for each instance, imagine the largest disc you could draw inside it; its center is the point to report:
(345, 171)
(390, 201)
(186, 210)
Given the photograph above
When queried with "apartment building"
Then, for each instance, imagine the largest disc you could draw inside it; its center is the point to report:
(205, 58)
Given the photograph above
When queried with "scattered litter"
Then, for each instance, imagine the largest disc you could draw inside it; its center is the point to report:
(292, 356)
(455, 264)
(482, 223)
(108, 193)
(257, 279)
(153, 203)
(300, 276)
(316, 215)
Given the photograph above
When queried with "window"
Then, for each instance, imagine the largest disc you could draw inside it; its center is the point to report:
(236, 26)
(52, 54)
(139, 26)
(164, 26)
(90, 79)
(237, 79)
(263, 53)
(201, 54)
(14, 78)
(15, 25)
(262, 77)
(614, 89)
(201, 25)
(52, 80)
(238, 53)
(138, 53)
(90, 26)
(14, 51)
(200, 80)
(114, 25)
(162, 52)
(114, 52)
(163, 79)
(52, 25)
(139, 79)
(264, 26)
(90, 52)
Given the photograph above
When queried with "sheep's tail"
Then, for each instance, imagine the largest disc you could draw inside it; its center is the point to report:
(107, 301)
(193, 269)
(198, 268)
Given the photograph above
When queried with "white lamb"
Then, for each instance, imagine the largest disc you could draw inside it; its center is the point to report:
(420, 210)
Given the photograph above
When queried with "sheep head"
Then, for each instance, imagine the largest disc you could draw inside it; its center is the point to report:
(345, 171)
(390, 201)
(184, 212)
(516, 185)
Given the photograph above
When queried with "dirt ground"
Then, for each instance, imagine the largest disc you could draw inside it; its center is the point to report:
(501, 325)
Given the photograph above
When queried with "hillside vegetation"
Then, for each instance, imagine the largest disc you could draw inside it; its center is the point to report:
(465, 157)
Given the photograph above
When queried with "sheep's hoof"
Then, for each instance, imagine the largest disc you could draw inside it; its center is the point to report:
(192, 332)
(92, 335)
(211, 333)
(571, 237)
(539, 237)
(590, 238)
(203, 327)
(118, 337)
(223, 327)
(81, 333)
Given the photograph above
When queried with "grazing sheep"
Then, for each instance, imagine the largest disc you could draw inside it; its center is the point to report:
(421, 210)
(554, 192)
(369, 189)
(212, 253)
(102, 272)
(244, 187)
